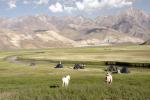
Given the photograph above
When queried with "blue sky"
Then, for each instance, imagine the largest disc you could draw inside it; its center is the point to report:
(88, 8)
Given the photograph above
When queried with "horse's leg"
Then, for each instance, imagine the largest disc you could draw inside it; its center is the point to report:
(63, 84)
(110, 81)
(66, 83)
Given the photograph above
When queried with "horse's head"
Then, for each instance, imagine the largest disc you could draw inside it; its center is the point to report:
(108, 74)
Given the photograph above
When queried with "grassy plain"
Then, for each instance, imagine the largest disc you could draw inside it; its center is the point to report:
(20, 81)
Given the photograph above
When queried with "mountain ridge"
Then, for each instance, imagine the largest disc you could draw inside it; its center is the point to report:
(43, 31)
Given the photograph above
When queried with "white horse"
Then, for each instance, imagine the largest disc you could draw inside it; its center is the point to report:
(109, 78)
(65, 80)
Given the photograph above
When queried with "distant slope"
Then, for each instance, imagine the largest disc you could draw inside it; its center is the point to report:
(43, 31)
(105, 36)
(132, 21)
(43, 39)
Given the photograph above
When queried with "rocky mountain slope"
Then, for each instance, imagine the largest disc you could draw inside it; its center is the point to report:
(133, 21)
(43, 31)
(40, 39)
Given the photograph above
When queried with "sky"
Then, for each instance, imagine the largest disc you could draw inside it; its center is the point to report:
(87, 8)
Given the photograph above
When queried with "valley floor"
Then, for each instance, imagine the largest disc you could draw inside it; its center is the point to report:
(21, 81)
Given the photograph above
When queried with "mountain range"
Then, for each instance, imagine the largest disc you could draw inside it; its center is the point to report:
(131, 26)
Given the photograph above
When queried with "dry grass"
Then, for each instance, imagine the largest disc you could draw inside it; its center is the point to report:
(25, 82)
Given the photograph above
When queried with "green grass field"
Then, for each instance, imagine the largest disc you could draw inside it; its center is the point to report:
(20, 81)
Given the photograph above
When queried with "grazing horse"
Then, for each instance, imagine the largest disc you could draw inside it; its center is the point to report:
(109, 78)
(79, 66)
(65, 80)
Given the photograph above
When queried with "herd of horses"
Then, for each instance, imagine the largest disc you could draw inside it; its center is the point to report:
(76, 66)
(111, 68)
(108, 77)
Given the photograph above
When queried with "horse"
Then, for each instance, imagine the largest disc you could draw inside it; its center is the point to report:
(109, 78)
(79, 66)
(65, 81)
